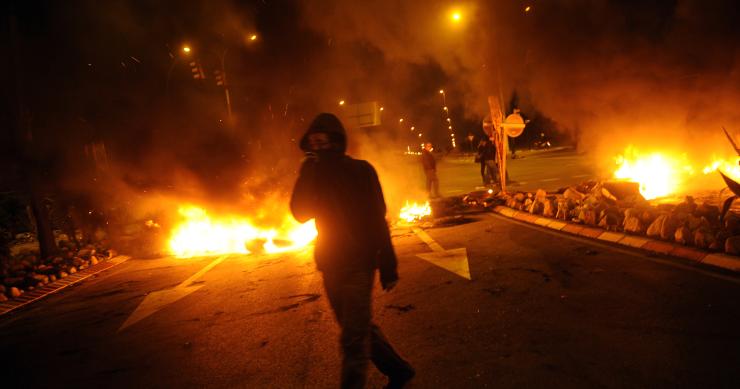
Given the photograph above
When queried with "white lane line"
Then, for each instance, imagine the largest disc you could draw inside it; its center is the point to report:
(549, 179)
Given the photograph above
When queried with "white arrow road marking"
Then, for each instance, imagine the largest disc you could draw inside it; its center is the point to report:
(455, 260)
(155, 301)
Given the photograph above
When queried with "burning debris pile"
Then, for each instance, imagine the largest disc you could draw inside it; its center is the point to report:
(198, 234)
(619, 206)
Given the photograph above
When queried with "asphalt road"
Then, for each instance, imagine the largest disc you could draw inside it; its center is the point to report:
(542, 310)
(531, 171)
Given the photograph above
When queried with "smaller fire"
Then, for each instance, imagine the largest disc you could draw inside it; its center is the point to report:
(414, 212)
(730, 167)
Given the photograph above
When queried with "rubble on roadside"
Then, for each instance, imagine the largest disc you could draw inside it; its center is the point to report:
(22, 270)
(619, 207)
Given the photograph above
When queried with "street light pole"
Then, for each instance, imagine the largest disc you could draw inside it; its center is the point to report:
(226, 85)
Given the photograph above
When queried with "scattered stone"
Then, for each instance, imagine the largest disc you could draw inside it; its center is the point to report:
(732, 224)
(664, 227)
(62, 274)
(634, 225)
(541, 195)
(52, 278)
(709, 212)
(573, 194)
(42, 279)
(610, 222)
(2, 289)
(719, 241)
(563, 209)
(732, 245)
(703, 238)
(550, 208)
(588, 216)
(621, 190)
(93, 260)
(72, 270)
(536, 208)
(3, 298)
(683, 236)
(15, 292)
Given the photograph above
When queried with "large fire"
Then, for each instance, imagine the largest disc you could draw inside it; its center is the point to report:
(200, 234)
(662, 174)
(659, 174)
(414, 212)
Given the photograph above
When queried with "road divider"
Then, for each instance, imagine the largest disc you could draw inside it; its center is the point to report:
(646, 244)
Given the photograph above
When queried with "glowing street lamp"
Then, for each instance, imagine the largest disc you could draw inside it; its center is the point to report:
(400, 120)
(442, 91)
(455, 16)
(186, 49)
(253, 37)
(341, 102)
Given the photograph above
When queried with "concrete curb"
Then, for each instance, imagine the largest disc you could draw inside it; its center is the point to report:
(722, 261)
(56, 286)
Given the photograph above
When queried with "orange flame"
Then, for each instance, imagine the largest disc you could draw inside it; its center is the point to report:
(200, 234)
(659, 174)
(414, 212)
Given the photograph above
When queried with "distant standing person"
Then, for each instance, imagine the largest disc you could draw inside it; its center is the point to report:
(430, 170)
(488, 166)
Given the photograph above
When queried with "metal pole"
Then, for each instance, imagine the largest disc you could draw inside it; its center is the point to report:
(226, 87)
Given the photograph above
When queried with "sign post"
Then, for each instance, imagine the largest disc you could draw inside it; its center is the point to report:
(499, 130)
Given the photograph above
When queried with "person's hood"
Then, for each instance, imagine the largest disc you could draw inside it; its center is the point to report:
(330, 124)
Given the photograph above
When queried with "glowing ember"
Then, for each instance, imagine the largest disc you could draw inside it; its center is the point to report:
(659, 174)
(414, 212)
(730, 167)
(200, 234)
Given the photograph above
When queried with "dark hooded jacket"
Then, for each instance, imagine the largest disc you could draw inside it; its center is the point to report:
(343, 194)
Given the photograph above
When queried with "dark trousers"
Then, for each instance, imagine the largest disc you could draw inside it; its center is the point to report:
(491, 172)
(361, 340)
(432, 182)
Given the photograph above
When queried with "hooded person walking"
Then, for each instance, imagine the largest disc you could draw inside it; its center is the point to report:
(343, 195)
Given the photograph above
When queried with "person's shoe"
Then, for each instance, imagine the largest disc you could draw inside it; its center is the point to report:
(399, 380)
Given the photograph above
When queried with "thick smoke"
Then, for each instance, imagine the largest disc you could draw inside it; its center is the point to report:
(660, 75)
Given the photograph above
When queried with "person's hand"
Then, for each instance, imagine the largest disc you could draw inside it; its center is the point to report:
(388, 286)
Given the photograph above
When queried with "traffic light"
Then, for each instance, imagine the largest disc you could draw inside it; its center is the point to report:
(219, 77)
(197, 70)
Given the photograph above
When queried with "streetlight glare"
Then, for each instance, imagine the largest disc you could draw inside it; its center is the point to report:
(186, 49)
(400, 120)
(442, 91)
(253, 37)
(341, 102)
(455, 16)
(381, 108)
(527, 8)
